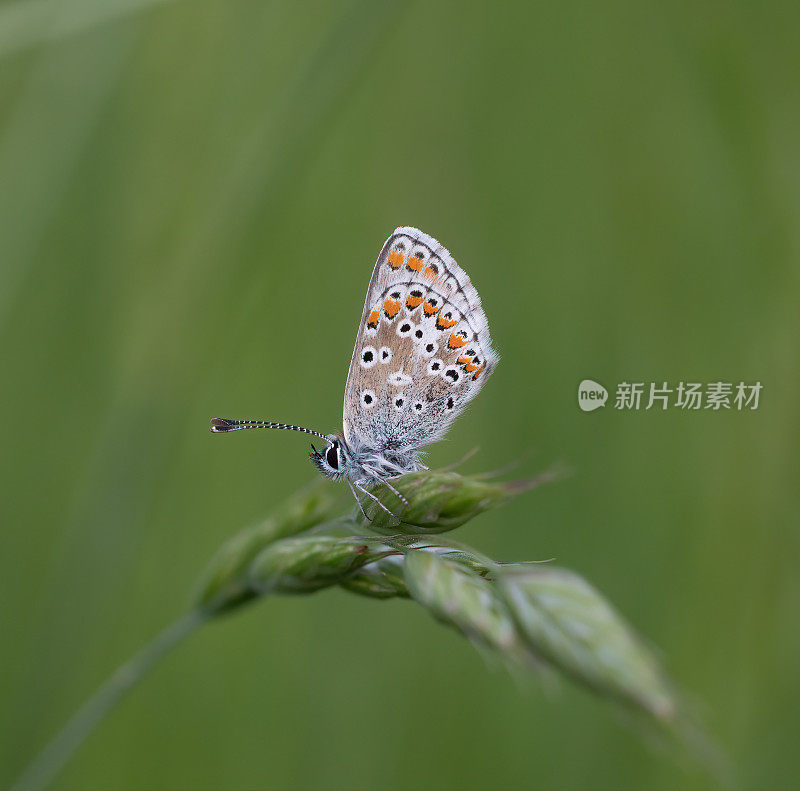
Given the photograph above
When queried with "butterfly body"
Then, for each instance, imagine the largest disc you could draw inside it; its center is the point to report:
(362, 463)
(422, 353)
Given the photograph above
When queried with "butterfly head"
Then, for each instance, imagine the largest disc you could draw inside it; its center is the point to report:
(333, 459)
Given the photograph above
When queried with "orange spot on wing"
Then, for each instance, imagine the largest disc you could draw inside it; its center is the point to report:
(477, 373)
(373, 319)
(430, 310)
(391, 307)
(465, 359)
(456, 342)
(413, 302)
(444, 324)
(395, 259)
(415, 264)
(430, 275)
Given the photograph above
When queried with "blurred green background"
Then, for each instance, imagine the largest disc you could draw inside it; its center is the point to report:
(193, 196)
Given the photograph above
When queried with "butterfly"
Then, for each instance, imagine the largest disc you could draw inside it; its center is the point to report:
(422, 353)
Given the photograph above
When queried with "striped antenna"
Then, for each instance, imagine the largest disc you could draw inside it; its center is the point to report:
(220, 425)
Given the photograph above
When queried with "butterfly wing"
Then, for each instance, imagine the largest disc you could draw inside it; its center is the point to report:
(422, 351)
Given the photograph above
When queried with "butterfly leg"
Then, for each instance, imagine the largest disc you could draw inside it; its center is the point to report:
(369, 494)
(363, 512)
(399, 496)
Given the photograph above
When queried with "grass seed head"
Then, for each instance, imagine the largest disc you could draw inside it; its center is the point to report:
(381, 579)
(225, 584)
(570, 625)
(461, 598)
(304, 564)
(437, 502)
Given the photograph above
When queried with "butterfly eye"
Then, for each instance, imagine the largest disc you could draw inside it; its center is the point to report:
(419, 406)
(452, 374)
(368, 399)
(398, 403)
(332, 455)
